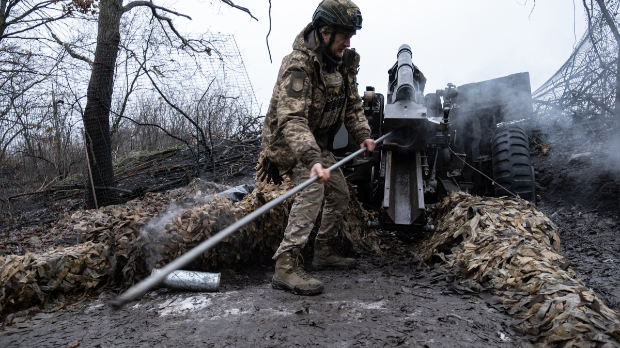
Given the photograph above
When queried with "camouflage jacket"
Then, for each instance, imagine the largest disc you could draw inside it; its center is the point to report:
(298, 102)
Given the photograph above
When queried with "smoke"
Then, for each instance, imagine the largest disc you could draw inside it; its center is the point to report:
(614, 158)
(154, 240)
(575, 107)
(158, 223)
(153, 237)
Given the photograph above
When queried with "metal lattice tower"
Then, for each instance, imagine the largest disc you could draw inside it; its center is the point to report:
(584, 87)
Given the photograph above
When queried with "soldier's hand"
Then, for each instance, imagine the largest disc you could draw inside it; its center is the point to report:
(317, 169)
(369, 144)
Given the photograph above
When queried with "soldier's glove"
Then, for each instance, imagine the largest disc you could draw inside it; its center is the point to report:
(270, 172)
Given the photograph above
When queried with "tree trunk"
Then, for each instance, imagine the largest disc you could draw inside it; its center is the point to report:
(99, 100)
(617, 100)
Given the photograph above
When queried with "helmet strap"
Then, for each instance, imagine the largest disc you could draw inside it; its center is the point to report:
(330, 61)
(327, 46)
(332, 38)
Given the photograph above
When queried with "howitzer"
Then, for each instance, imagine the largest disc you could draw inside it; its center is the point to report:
(467, 138)
(418, 156)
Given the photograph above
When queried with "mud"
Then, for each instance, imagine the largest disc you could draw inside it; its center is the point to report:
(583, 200)
(381, 303)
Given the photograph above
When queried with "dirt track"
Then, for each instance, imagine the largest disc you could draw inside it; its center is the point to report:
(380, 304)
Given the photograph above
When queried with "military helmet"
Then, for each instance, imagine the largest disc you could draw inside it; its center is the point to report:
(338, 13)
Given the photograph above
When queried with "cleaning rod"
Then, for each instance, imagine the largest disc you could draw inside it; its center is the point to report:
(153, 280)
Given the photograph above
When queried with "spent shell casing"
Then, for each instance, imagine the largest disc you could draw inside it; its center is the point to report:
(191, 280)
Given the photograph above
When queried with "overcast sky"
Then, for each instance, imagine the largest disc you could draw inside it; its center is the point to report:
(453, 41)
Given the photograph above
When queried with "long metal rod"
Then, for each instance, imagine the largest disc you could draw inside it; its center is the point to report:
(90, 173)
(139, 289)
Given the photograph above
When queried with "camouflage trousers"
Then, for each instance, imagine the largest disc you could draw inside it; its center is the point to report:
(307, 204)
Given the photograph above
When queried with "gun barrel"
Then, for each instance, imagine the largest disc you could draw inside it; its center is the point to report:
(405, 89)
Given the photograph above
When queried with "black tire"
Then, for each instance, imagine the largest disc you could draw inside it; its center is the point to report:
(512, 166)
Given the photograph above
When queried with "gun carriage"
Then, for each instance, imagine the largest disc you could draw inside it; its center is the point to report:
(467, 138)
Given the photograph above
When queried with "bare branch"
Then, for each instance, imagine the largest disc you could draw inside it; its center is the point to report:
(609, 19)
(68, 48)
(590, 32)
(267, 38)
(159, 17)
(231, 4)
(43, 22)
(153, 7)
(31, 10)
(26, 16)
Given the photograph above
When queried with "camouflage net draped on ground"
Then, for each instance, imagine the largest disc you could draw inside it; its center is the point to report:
(508, 247)
(122, 243)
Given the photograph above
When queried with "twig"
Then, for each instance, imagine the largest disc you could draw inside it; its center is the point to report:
(26, 194)
(459, 317)
(131, 172)
(153, 7)
(68, 48)
(45, 186)
(267, 38)
(231, 4)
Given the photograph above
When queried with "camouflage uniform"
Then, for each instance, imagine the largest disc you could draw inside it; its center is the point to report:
(308, 106)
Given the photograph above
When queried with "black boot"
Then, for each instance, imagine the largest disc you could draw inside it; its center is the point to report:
(326, 257)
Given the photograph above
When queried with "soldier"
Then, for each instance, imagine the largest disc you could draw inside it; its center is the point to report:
(316, 92)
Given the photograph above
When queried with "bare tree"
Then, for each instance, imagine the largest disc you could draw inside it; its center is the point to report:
(101, 85)
(20, 19)
(21, 71)
(42, 98)
(25, 63)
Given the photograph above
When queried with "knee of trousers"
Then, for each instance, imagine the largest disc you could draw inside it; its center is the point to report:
(311, 196)
(338, 201)
(314, 191)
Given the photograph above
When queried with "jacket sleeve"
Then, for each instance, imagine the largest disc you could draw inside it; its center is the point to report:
(293, 107)
(354, 120)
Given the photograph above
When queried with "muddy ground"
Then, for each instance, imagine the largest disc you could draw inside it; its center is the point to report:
(387, 301)
(381, 303)
(583, 199)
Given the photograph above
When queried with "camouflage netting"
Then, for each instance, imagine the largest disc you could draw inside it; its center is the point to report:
(510, 249)
(122, 243)
(34, 279)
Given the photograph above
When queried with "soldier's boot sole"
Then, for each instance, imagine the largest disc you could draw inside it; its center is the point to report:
(317, 265)
(280, 285)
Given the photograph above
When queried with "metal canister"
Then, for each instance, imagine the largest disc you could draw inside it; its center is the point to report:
(191, 280)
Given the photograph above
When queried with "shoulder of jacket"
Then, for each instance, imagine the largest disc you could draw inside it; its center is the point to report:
(298, 60)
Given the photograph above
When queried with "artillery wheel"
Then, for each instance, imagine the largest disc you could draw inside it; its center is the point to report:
(512, 165)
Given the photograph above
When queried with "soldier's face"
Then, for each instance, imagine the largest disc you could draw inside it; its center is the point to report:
(341, 41)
